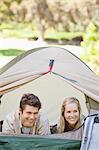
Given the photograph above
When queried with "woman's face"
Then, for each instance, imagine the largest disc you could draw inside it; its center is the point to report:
(71, 113)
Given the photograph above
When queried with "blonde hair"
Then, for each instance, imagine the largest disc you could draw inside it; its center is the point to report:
(62, 119)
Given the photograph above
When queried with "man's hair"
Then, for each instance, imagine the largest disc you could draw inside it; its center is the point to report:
(31, 100)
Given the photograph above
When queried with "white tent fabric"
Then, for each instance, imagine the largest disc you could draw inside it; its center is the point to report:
(35, 63)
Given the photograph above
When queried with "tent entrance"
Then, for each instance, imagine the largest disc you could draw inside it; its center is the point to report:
(51, 90)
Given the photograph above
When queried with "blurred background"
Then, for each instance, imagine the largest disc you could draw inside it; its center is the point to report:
(26, 24)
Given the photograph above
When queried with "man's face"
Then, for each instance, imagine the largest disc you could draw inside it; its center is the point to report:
(29, 115)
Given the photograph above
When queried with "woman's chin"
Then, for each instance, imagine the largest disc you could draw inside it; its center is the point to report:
(72, 123)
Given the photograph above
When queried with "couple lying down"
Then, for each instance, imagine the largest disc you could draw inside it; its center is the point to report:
(28, 120)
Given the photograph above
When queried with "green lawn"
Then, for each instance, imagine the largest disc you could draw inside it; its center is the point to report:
(23, 30)
(10, 52)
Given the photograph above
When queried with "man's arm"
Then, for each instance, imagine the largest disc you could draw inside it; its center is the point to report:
(7, 127)
(43, 128)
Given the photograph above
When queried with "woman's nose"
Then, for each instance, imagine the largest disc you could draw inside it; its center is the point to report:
(72, 114)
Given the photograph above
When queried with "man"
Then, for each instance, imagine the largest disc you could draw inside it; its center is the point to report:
(28, 119)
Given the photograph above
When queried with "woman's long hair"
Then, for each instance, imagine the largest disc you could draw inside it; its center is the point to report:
(64, 125)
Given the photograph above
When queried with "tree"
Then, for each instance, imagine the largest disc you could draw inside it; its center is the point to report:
(91, 47)
(60, 15)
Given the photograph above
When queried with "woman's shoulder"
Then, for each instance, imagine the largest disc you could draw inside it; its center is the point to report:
(82, 117)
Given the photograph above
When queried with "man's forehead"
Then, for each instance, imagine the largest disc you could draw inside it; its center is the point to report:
(30, 108)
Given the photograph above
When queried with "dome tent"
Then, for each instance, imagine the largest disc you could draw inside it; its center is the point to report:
(52, 73)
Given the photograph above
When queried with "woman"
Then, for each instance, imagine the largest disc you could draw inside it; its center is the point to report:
(70, 115)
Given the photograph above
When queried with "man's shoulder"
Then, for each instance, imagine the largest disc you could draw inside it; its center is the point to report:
(42, 116)
(12, 115)
(43, 124)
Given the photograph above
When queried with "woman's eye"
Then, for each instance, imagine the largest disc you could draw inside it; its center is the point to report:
(75, 111)
(68, 112)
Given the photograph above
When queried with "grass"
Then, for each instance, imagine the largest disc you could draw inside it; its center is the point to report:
(62, 35)
(10, 52)
(23, 30)
(26, 33)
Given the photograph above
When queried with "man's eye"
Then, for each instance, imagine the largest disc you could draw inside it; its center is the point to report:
(36, 113)
(29, 113)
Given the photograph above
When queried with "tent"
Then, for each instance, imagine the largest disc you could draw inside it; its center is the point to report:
(52, 73)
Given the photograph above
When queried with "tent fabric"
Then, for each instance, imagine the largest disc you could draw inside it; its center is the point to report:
(34, 63)
(90, 140)
(94, 142)
(11, 85)
(37, 143)
(73, 135)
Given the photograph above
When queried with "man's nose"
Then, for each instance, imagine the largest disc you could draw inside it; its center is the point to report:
(32, 116)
